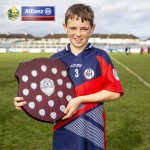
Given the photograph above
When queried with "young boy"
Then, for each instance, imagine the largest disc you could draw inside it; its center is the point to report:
(95, 81)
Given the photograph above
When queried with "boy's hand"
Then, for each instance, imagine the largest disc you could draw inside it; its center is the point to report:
(18, 102)
(72, 108)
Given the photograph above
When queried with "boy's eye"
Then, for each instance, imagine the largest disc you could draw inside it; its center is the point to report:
(85, 29)
(72, 28)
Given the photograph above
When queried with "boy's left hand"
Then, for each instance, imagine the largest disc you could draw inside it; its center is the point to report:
(72, 108)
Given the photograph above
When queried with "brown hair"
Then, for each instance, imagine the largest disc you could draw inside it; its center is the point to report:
(80, 11)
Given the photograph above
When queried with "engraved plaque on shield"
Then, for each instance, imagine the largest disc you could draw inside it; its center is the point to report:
(46, 87)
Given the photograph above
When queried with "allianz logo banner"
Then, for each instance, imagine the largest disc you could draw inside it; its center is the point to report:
(30, 13)
(38, 13)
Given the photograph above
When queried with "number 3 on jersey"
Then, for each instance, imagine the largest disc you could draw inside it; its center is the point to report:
(76, 73)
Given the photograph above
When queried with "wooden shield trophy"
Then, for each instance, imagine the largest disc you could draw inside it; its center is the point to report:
(46, 87)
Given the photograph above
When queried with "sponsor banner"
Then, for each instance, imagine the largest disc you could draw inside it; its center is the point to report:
(38, 13)
(35, 50)
(132, 50)
(2, 50)
(30, 13)
(50, 50)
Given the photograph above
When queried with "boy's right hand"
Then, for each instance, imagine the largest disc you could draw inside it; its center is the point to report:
(19, 102)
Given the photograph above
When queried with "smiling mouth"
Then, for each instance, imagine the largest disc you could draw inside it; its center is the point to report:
(78, 40)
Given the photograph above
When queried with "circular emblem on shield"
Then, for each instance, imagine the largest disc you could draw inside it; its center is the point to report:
(46, 87)
(89, 73)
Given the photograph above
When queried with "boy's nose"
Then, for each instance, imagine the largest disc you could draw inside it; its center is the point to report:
(78, 33)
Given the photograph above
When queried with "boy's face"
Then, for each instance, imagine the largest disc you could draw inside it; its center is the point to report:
(78, 33)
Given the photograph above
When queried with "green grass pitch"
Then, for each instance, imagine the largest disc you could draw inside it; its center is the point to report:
(127, 119)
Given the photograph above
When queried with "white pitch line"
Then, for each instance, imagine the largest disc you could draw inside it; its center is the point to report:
(143, 81)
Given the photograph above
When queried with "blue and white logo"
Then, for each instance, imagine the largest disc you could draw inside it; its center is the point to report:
(89, 73)
(48, 11)
(38, 13)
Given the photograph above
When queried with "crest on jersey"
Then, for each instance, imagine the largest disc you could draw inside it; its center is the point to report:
(115, 74)
(88, 73)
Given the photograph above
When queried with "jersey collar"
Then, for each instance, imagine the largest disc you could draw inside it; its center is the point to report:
(89, 45)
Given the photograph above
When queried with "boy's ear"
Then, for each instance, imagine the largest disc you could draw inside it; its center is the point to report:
(93, 28)
(65, 27)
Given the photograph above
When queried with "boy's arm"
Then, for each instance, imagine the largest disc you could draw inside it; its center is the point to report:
(102, 96)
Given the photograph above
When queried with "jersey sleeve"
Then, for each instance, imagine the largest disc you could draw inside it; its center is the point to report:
(110, 79)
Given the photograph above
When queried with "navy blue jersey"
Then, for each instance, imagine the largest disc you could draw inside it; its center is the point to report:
(90, 71)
